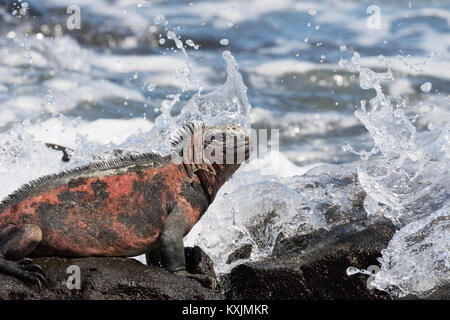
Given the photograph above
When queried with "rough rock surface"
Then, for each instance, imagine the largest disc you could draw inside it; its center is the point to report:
(314, 266)
(113, 279)
(243, 252)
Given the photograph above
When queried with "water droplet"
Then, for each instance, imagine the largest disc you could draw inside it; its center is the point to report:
(150, 87)
(49, 99)
(426, 87)
(224, 42)
(399, 113)
(352, 270)
(356, 58)
(191, 44)
(143, 4)
(159, 19)
(11, 35)
(312, 12)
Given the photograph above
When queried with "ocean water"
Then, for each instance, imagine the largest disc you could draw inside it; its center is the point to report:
(342, 85)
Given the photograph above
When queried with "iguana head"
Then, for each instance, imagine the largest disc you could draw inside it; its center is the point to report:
(213, 154)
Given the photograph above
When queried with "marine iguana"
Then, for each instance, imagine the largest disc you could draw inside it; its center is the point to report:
(123, 207)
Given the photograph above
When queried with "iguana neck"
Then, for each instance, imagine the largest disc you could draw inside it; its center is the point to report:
(210, 182)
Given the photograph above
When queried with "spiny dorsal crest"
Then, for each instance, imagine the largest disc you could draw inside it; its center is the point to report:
(186, 132)
(53, 178)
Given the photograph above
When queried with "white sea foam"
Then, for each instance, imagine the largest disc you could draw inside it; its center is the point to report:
(416, 260)
(408, 183)
(297, 124)
(280, 67)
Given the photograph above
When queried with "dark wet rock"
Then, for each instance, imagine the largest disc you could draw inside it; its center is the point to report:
(198, 262)
(112, 279)
(243, 252)
(314, 266)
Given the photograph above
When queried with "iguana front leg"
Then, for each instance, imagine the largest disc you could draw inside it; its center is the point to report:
(171, 250)
(16, 242)
(171, 241)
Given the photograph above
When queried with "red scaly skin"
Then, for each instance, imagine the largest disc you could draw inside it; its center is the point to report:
(114, 215)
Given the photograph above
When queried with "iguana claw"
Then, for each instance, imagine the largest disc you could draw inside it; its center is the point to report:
(28, 265)
(25, 270)
(32, 278)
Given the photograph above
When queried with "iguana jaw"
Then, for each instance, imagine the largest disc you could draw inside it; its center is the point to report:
(216, 168)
